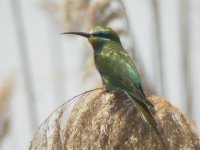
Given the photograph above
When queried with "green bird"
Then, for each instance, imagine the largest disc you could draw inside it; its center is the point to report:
(118, 71)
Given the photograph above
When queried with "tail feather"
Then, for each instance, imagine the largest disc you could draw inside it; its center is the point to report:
(140, 97)
(145, 113)
(148, 118)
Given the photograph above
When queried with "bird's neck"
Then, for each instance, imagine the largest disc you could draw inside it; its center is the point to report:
(111, 46)
(98, 46)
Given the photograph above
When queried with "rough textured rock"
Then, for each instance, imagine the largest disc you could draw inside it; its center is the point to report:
(101, 120)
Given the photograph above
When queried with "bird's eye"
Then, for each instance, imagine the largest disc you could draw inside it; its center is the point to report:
(102, 34)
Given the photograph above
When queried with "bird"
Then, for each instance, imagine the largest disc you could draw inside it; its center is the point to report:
(118, 71)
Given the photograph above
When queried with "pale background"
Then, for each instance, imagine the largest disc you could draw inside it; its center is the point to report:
(47, 66)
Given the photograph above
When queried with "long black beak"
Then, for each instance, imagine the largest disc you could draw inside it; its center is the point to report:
(87, 35)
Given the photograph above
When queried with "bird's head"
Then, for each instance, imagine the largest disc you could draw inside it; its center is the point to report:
(99, 36)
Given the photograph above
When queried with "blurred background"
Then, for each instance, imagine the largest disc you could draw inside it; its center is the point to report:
(40, 69)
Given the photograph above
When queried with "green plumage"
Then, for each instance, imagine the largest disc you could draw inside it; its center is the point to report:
(118, 71)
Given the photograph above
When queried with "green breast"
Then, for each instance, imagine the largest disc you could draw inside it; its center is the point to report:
(114, 63)
(106, 58)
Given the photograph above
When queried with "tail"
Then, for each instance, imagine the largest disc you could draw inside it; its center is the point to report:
(148, 118)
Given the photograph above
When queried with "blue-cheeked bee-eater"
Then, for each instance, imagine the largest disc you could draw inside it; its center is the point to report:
(118, 71)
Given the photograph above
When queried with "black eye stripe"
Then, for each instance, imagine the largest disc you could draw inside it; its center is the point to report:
(100, 34)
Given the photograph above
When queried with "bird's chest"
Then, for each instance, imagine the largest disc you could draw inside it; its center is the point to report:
(105, 62)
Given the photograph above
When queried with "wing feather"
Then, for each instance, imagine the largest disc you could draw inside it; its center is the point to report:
(122, 73)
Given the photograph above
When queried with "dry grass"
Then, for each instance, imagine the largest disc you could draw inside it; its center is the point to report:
(85, 14)
(5, 91)
(101, 120)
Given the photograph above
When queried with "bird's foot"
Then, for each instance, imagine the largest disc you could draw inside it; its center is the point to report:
(106, 89)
